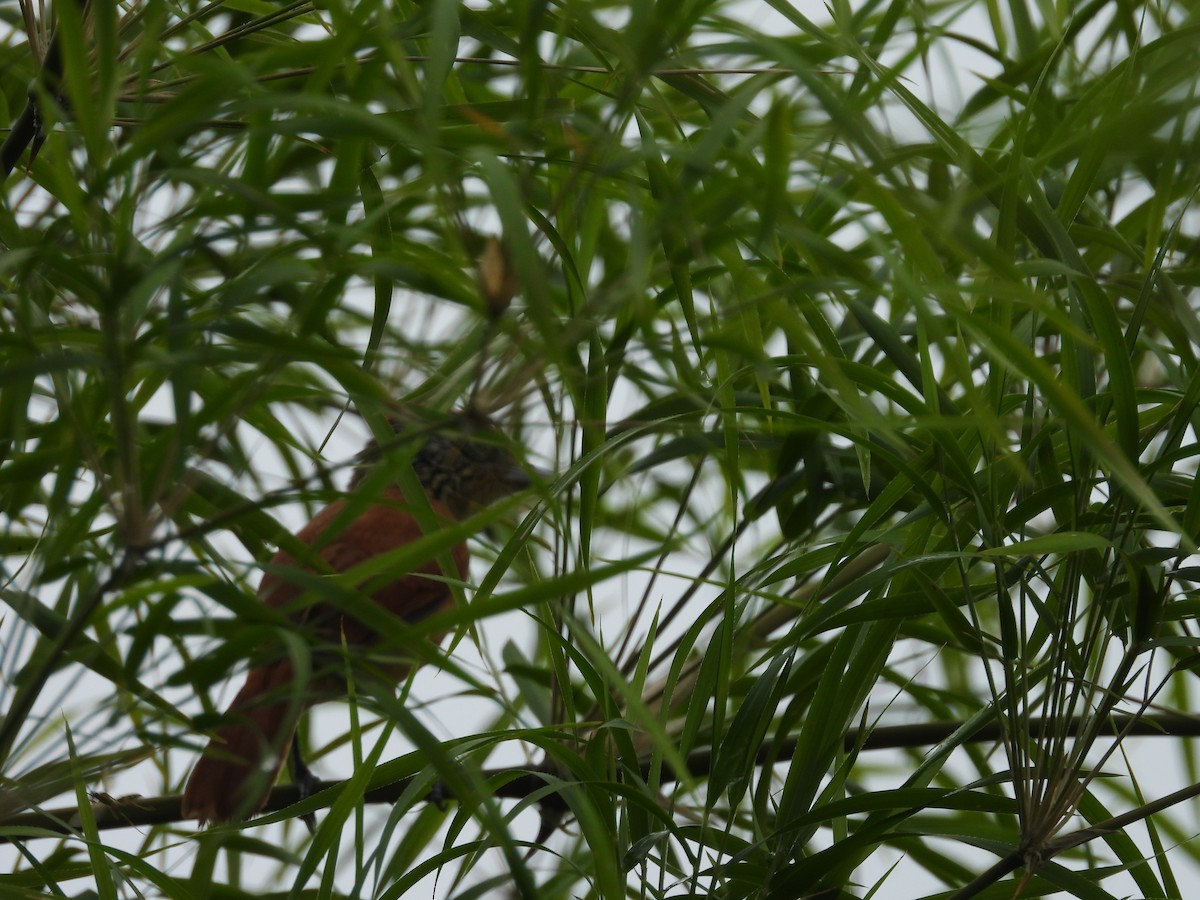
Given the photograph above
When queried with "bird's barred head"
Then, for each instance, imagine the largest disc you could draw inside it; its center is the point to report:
(464, 466)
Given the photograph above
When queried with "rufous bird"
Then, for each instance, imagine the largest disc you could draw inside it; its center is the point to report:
(459, 473)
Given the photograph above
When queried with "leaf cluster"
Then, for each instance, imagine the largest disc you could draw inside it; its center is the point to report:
(867, 385)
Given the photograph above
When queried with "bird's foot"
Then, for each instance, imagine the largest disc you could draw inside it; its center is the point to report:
(306, 784)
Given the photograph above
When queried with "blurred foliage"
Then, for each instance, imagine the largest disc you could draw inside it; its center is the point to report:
(861, 351)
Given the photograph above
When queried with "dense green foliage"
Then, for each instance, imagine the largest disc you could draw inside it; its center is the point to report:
(862, 351)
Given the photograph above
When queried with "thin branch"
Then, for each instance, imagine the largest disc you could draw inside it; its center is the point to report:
(1031, 857)
(519, 784)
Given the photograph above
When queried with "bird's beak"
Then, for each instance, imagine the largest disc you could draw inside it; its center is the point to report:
(521, 477)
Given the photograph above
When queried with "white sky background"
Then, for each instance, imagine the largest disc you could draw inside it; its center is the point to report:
(444, 707)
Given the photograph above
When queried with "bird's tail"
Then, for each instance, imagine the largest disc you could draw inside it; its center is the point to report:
(234, 776)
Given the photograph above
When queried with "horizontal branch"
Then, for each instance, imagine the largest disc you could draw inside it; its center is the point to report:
(128, 812)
